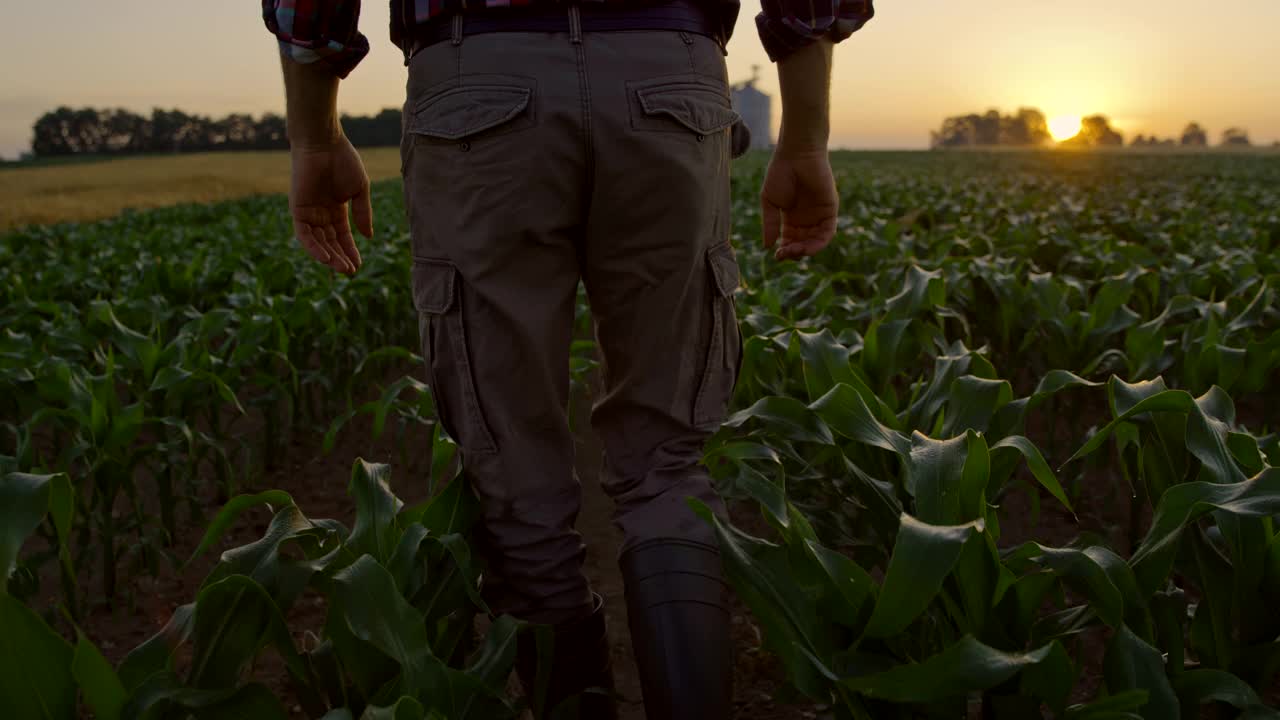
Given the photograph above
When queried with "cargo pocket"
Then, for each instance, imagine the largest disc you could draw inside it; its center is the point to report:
(465, 113)
(437, 295)
(724, 346)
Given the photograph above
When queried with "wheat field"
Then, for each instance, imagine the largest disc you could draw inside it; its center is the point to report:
(80, 191)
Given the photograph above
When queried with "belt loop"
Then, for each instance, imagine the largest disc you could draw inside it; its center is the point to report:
(457, 28)
(575, 25)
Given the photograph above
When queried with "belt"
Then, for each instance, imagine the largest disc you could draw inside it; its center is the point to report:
(681, 16)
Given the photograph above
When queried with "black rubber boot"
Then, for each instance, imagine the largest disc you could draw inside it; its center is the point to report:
(678, 610)
(579, 663)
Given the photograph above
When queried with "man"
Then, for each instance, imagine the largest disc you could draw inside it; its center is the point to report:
(545, 144)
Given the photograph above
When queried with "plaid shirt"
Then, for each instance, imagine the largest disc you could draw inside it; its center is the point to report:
(325, 30)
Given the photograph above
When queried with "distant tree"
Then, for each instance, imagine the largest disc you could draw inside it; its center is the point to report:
(66, 132)
(237, 132)
(379, 130)
(1235, 137)
(51, 135)
(1027, 128)
(957, 131)
(1096, 131)
(1194, 136)
(176, 131)
(1152, 141)
(271, 133)
(989, 128)
(1036, 126)
(125, 132)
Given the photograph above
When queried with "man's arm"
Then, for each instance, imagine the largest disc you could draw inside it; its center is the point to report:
(799, 201)
(320, 44)
(805, 78)
(327, 171)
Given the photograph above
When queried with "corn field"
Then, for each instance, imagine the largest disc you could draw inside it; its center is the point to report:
(1006, 449)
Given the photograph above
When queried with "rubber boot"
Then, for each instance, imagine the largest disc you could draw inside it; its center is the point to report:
(579, 663)
(678, 611)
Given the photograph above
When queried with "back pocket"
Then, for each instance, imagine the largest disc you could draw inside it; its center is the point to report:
(686, 104)
(471, 108)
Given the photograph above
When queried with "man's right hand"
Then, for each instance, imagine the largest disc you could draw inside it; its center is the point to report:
(325, 179)
(799, 203)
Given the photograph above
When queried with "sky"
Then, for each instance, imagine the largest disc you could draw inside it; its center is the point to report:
(1151, 65)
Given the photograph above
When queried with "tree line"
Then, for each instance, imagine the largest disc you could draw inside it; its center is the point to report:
(1195, 136)
(67, 131)
(1029, 128)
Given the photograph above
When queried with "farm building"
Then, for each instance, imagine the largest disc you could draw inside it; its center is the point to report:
(756, 109)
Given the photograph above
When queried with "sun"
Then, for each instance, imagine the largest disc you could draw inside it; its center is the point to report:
(1063, 127)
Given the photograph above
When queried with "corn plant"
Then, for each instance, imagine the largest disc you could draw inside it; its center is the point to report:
(882, 583)
(133, 348)
(939, 610)
(401, 595)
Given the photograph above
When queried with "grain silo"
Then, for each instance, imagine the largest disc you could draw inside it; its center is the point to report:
(756, 109)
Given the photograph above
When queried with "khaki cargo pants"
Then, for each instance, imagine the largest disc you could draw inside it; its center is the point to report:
(533, 161)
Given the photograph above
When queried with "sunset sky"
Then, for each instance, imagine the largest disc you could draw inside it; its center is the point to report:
(1152, 65)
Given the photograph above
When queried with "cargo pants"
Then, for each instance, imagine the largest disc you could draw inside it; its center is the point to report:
(533, 161)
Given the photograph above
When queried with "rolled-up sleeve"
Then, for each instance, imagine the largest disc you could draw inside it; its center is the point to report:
(788, 25)
(324, 31)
